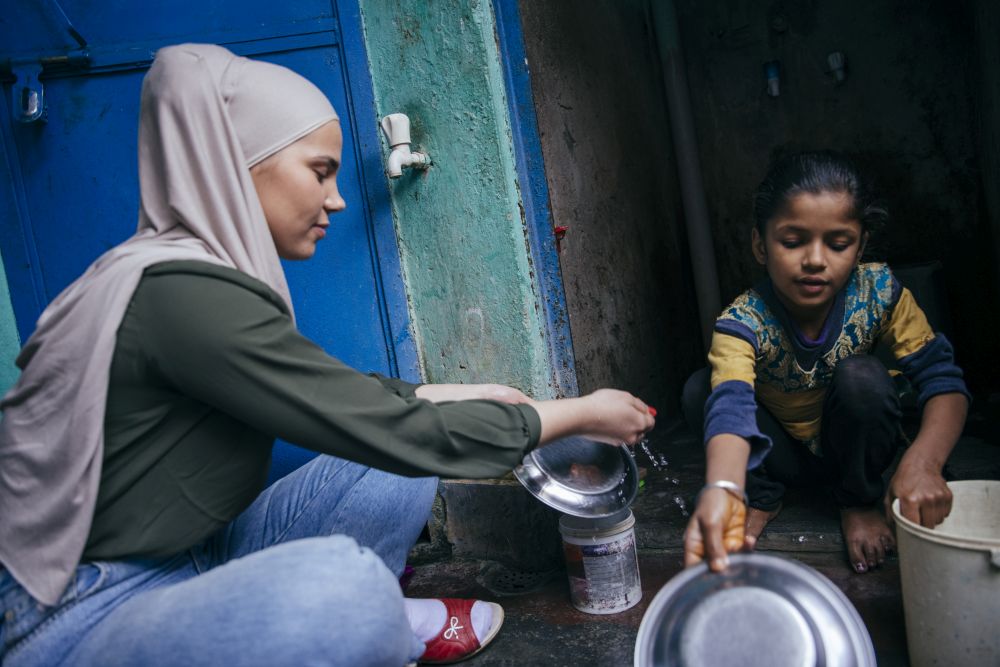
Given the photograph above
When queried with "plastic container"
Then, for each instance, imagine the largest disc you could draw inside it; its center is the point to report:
(601, 562)
(951, 580)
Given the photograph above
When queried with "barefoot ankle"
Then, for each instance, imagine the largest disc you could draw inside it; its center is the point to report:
(867, 537)
(757, 520)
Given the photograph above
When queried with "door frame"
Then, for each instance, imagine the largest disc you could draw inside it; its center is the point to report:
(530, 167)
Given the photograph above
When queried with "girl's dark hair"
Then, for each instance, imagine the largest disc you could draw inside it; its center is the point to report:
(815, 173)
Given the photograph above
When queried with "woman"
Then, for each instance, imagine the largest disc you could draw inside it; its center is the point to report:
(135, 445)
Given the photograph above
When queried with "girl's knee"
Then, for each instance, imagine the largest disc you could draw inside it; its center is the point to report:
(693, 397)
(863, 383)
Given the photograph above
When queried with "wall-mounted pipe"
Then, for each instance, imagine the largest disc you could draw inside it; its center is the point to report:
(699, 233)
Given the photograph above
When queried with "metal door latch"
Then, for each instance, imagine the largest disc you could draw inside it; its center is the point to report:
(28, 95)
(28, 92)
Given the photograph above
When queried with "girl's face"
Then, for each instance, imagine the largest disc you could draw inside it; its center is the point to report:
(297, 187)
(810, 249)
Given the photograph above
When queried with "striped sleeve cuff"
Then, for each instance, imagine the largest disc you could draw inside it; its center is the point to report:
(737, 329)
(732, 408)
(932, 370)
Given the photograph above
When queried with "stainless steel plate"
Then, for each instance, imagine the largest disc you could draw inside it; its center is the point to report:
(581, 477)
(763, 610)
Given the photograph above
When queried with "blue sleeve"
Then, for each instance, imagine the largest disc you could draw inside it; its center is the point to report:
(732, 408)
(932, 370)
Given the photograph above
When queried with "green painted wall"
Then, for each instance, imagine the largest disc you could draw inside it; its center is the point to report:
(461, 234)
(10, 344)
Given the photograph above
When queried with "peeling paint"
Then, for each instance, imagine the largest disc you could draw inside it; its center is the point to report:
(460, 228)
(10, 343)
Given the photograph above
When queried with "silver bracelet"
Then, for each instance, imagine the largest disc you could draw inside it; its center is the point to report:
(732, 488)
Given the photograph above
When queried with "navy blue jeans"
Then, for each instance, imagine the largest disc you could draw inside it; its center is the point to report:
(858, 436)
(307, 575)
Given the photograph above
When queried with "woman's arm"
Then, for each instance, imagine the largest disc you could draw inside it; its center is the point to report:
(220, 339)
(607, 415)
(441, 393)
(924, 497)
(718, 523)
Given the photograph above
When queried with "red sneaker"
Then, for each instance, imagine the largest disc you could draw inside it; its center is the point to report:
(457, 640)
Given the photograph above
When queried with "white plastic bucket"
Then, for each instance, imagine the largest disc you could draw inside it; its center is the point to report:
(951, 580)
(601, 562)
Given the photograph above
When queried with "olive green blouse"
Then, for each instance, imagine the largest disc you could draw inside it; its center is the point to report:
(208, 370)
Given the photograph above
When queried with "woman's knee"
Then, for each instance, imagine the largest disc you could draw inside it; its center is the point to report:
(340, 600)
(314, 601)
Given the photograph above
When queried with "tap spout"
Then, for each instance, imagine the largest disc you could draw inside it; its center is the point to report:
(401, 156)
(397, 133)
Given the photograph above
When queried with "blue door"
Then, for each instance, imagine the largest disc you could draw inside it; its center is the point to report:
(68, 181)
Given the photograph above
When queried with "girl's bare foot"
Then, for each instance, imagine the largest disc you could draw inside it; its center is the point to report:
(756, 521)
(867, 536)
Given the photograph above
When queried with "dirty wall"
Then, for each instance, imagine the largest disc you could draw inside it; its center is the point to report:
(612, 182)
(908, 111)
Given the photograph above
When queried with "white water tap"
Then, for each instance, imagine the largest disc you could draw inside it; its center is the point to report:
(397, 131)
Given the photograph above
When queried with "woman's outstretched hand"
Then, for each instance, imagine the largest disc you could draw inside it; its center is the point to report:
(716, 528)
(618, 417)
(439, 393)
(606, 415)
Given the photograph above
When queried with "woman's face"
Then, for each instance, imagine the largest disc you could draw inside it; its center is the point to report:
(810, 250)
(297, 187)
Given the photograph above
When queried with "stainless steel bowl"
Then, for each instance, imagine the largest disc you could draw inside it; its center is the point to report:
(581, 477)
(762, 610)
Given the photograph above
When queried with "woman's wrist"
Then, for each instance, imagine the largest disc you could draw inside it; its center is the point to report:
(561, 417)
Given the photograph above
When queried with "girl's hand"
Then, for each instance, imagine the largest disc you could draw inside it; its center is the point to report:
(716, 528)
(616, 417)
(439, 393)
(924, 497)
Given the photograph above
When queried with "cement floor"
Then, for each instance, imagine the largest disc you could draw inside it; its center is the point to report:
(542, 627)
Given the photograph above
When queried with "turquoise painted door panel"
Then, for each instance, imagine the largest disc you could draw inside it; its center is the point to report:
(68, 185)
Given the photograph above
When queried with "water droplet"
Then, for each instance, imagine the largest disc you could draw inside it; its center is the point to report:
(679, 501)
(800, 539)
(659, 461)
(675, 481)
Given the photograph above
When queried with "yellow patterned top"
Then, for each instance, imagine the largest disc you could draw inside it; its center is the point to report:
(756, 342)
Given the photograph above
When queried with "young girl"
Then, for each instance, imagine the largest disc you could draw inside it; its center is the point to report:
(795, 395)
(135, 528)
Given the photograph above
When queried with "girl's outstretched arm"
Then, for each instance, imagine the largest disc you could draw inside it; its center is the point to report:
(924, 498)
(718, 523)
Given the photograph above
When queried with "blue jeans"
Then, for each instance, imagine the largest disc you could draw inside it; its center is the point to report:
(307, 575)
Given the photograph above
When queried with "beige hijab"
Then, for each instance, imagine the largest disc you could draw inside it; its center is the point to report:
(206, 117)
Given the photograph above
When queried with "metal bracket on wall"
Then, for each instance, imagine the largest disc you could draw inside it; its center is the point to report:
(28, 96)
(28, 93)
